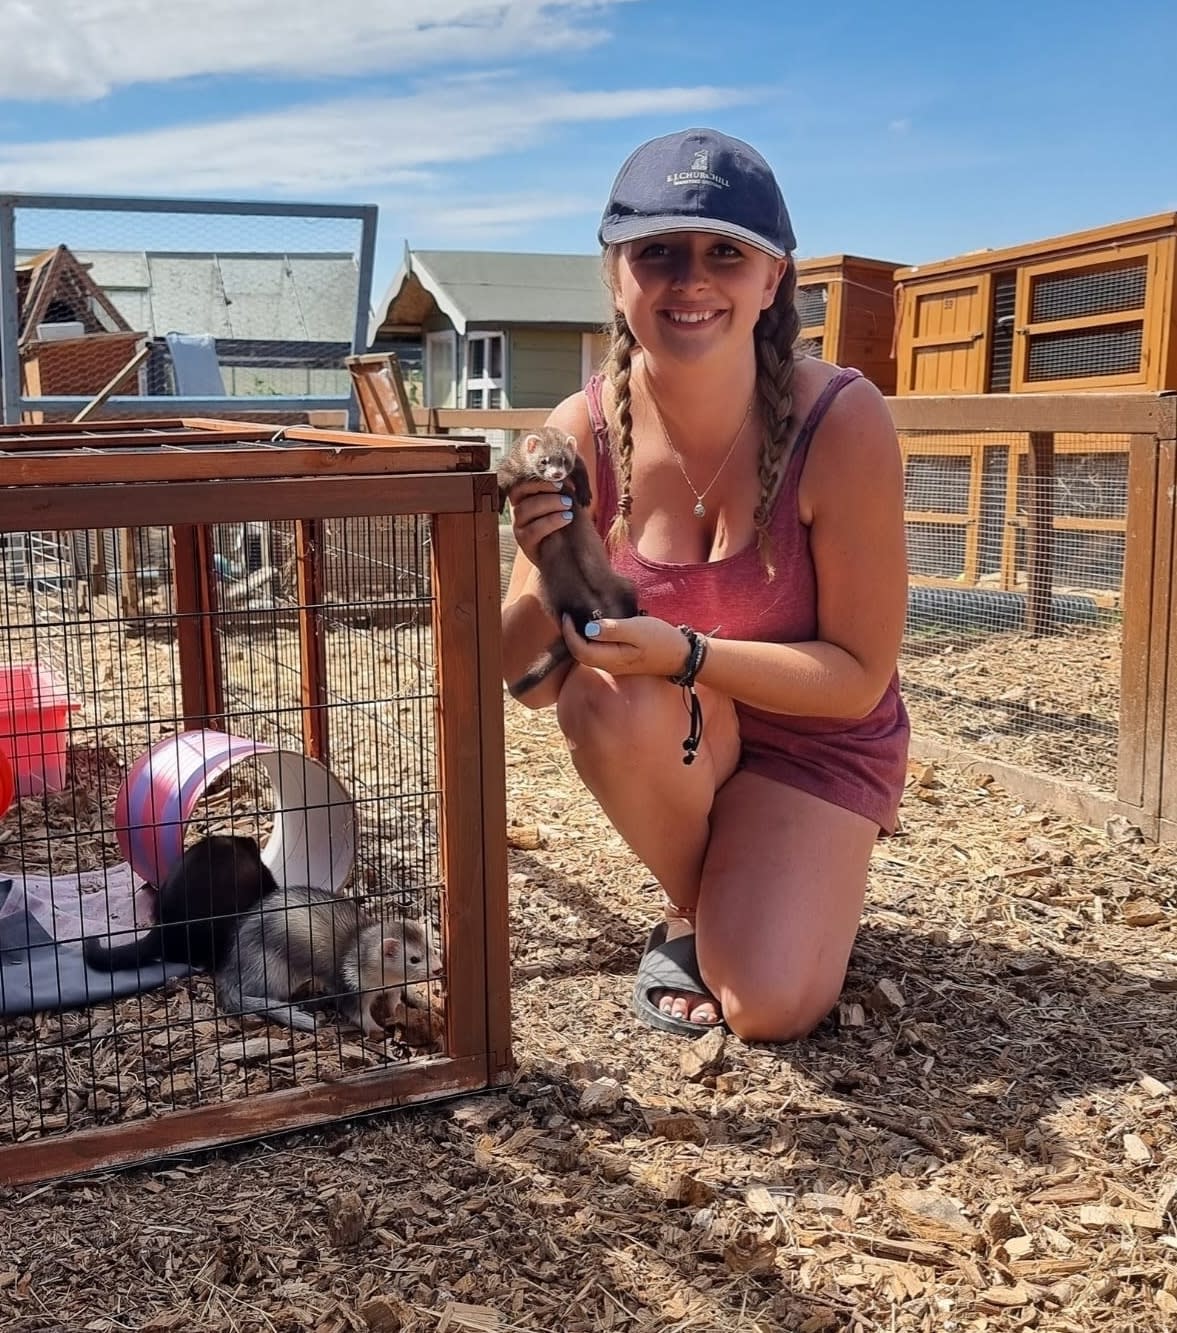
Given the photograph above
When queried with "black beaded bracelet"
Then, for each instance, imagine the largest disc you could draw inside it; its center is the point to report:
(696, 656)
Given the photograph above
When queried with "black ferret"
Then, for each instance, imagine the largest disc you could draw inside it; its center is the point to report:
(197, 906)
(575, 576)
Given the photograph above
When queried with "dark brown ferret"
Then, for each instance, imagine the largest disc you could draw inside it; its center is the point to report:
(575, 576)
(197, 906)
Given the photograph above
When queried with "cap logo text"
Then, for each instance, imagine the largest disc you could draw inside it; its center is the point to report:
(698, 172)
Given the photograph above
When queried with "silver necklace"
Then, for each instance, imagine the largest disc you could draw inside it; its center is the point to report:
(700, 510)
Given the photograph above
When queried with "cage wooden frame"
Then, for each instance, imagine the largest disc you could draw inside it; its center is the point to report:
(1146, 787)
(190, 474)
(1152, 240)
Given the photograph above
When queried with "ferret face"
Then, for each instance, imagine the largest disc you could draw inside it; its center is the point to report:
(550, 455)
(410, 955)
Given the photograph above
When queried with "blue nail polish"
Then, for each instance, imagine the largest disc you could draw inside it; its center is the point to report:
(566, 501)
(591, 630)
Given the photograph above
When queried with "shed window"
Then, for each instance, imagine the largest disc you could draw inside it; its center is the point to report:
(485, 355)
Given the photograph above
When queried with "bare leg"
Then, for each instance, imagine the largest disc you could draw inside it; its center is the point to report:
(625, 735)
(781, 899)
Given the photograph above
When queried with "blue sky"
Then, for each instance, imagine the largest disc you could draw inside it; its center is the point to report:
(911, 132)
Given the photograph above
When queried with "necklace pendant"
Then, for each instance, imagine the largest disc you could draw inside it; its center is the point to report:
(700, 510)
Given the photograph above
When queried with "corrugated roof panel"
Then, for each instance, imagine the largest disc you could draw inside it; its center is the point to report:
(123, 269)
(187, 296)
(328, 290)
(261, 299)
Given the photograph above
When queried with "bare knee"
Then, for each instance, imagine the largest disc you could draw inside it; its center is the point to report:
(609, 714)
(772, 1007)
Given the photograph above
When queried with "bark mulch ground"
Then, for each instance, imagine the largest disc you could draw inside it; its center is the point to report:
(979, 1138)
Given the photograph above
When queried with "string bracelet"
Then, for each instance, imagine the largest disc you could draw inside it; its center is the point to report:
(697, 645)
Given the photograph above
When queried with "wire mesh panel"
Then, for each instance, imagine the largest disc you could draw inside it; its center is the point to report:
(1086, 322)
(120, 300)
(258, 719)
(976, 674)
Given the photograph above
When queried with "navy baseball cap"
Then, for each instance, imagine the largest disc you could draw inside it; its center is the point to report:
(698, 180)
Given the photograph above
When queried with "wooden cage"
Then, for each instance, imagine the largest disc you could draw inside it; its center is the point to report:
(1093, 310)
(846, 305)
(356, 626)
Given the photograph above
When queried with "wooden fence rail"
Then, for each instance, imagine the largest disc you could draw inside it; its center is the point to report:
(1146, 788)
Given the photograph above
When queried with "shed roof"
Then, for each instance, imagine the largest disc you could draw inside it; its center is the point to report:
(481, 287)
(272, 296)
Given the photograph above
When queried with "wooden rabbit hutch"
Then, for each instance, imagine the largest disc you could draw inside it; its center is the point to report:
(72, 338)
(1092, 311)
(846, 305)
(308, 621)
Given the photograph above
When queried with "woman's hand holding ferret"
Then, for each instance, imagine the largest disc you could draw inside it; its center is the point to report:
(537, 509)
(636, 646)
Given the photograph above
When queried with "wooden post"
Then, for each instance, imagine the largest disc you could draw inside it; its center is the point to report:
(494, 801)
(1163, 719)
(312, 635)
(1040, 534)
(129, 578)
(201, 683)
(1136, 596)
(455, 539)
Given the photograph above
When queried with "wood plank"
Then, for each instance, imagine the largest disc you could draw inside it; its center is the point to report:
(463, 864)
(1009, 521)
(931, 516)
(108, 1147)
(1164, 719)
(380, 391)
(112, 384)
(201, 683)
(488, 635)
(1072, 799)
(116, 465)
(436, 419)
(1136, 601)
(972, 537)
(46, 436)
(309, 548)
(1040, 534)
(52, 507)
(1082, 413)
(1160, 664)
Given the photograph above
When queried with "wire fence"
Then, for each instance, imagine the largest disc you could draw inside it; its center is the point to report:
(180, 307)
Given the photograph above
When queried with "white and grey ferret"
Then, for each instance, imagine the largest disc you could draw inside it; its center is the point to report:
(312, 946)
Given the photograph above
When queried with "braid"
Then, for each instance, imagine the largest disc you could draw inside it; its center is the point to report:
(776, 333)
(618, 371)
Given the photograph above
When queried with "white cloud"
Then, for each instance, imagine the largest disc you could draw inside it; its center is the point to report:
(899, 126)
(501, 213)
(83, 49)
(346, 146)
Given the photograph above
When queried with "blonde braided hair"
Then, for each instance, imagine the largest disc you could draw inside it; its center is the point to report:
(775, 335)
(619, 373)
(776, 332)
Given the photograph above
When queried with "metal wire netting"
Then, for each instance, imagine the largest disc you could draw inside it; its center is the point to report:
(976, 674)
(91, 670)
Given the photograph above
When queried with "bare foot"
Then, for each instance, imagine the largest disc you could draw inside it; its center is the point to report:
(694, 1007)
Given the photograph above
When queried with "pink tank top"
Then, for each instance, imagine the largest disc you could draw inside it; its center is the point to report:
(857, 763)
